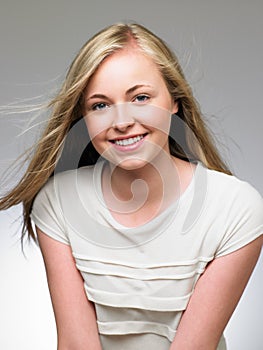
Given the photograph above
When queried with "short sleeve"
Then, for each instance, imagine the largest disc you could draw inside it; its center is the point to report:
(244, 221)
(47, 214)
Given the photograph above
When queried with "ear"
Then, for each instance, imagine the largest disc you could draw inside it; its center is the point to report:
(175, 107)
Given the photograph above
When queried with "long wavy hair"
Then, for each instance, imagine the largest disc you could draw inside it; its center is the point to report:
(66, 109)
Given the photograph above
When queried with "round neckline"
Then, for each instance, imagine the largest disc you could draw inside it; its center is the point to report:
(158, 220)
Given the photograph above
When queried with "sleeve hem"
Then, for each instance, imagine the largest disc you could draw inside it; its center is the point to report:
(48, 230)
(241, 243)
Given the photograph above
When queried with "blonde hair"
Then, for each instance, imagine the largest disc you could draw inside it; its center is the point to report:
(67, 105)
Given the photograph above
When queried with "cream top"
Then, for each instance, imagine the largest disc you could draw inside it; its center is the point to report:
(140, 279)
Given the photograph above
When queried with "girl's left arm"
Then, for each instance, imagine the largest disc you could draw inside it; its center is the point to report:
(215, 297)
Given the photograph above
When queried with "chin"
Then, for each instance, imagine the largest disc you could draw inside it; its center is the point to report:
(131, 164)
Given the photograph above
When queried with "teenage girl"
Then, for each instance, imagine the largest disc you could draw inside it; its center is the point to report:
(147, 238)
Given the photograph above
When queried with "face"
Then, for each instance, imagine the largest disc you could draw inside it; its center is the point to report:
(128, 109)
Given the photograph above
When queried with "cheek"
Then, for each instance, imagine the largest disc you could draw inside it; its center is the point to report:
(96, 128)
(162, 124)
(98, 122)
(156, 118)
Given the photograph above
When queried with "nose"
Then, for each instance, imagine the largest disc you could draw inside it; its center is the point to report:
(122, 117)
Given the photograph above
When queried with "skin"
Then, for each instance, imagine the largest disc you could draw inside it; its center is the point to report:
(74, 314)
(124, 80)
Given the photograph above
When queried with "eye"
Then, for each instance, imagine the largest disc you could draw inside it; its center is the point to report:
(141, 98)
(99, 106)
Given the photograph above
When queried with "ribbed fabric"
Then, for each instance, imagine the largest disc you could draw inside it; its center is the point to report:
(141, 279)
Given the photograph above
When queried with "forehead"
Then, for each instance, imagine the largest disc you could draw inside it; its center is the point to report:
(128, 65)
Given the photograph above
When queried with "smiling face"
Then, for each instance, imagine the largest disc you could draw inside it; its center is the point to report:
(128, 109)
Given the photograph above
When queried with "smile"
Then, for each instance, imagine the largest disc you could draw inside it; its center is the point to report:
(128, 141)
(128, 144)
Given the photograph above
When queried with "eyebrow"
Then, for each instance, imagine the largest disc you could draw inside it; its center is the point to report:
(135, 87)
(129, 91)
(97, 96)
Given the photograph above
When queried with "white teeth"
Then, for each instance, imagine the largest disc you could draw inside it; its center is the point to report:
(129, 141)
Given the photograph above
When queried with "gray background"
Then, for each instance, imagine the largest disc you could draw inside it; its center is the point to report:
(219, 44)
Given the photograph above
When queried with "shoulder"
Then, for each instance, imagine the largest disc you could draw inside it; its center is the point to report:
(67, 180)
(238, 204)
(60, 201)
(66, 189)
(233, 209)
(231, 190)
(62, 187)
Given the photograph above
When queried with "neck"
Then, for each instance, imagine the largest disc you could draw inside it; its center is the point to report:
(154, 185)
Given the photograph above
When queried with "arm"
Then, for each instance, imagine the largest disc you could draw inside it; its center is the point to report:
(75, 315)
(215, 297)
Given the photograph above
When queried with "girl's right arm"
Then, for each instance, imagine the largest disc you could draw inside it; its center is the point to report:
(74, 313)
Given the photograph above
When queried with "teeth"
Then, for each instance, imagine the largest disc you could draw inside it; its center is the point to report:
(129, 141)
